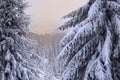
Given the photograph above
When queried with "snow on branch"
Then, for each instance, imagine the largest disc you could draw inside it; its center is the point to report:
(95, 7)
(116, 21)
(69, 36)
(105, 55)
(78, 60)
(95, 70)
(100, 71)
(106, 51)
(80, 42)
(83, 35)
(92, 11)
(74, 21)
(113, 6)
(90, 67)
(80, 11)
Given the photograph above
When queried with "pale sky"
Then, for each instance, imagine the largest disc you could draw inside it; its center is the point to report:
(46, 14)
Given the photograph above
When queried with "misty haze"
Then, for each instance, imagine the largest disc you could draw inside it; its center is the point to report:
(59, 39)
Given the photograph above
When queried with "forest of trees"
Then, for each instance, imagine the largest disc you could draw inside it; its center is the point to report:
(48, 49)
(89, 51)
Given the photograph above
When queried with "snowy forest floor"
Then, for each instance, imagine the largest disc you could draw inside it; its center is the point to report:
(48, 48)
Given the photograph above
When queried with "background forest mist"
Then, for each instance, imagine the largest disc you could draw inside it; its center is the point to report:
(48, 49)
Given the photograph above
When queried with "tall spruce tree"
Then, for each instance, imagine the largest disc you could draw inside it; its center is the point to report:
(92, 48)
(13, 30)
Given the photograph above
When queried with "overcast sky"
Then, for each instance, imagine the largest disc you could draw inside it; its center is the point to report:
(46, 14)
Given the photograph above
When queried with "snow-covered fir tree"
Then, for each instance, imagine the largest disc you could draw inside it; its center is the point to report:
(92, 48)
(13, 42)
